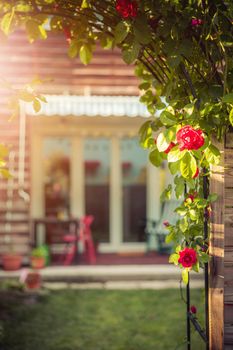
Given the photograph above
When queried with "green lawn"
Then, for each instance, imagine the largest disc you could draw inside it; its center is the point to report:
(99, 320)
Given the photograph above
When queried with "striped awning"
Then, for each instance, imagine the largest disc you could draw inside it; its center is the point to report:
(91, 106)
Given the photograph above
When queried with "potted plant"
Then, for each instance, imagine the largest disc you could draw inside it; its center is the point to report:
(38, 258)
(33, 280)
(11, 260)
(30, 279)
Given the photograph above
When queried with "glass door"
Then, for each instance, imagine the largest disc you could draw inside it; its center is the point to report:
(134, 179)
(97, 185)
(56, 183)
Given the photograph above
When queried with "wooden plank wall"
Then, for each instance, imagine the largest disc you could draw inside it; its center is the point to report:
(20, 62)
(107, 74)
(228, 260)
(216, 266)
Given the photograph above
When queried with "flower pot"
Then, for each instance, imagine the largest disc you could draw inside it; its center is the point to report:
(11, 262)
(33, 280)
(37, 262)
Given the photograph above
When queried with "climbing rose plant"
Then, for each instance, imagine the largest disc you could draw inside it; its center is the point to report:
(183, 55)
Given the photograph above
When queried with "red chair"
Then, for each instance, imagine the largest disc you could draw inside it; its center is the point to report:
(84, 236)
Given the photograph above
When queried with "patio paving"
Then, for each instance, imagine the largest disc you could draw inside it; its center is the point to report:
(110, 277)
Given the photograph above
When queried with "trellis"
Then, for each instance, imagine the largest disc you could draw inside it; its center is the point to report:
(190, 318)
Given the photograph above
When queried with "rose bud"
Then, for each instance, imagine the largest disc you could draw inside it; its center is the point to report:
(166, 223)
(193, 309)
(195, 22)
(67, 33)
(191, 196)
(172, 144)
(196, 173)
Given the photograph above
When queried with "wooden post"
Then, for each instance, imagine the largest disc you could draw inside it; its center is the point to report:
(216, 266)
(228, 260)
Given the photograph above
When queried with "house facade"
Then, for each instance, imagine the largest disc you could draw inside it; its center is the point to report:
(80, 154)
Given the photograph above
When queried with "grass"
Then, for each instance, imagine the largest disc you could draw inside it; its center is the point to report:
(100, 320)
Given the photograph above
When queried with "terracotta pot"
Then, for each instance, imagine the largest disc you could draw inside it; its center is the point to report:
(11, 262)
(37, 262)
(33, 280)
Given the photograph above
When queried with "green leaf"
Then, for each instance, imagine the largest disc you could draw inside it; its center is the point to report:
(204, 258)
(144, 86)
(196, 267)
(179, 186)
(3, 151)
(170, 237)
(188, 109)
(173, 258)
(160, 105)
(142, 31)
(185, 276)
(191, 183)
(167, 118)
(42, 98)
(155, 158)
(85, 4)
(121, 31)
(166, 194)
(130, 54)
(228, 98)
(183, 224)
(36, 105)
(35, 30)
(162, 142)
(188, 166)
(26, 96)
(212, 155)
(85, 54)
(5, 173)
(165, 138)
(181, 211)
(6, 22)
(174, 167)
(73, 49)
(175, 154)
(231, 116)
(145, 133)
(193, 214)
(213, 197)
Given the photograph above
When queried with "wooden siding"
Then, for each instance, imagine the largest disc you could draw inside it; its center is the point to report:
(20, 62)
(216, 266)
(228, 260)
(106, 75)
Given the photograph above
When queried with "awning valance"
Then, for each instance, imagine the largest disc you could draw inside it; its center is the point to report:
(91, 106)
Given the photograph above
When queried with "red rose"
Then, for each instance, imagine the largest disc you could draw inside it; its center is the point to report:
(188, 257)
(172, 144)
(189, 138)
(196, 173)
(127, 8)
(193, 309)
